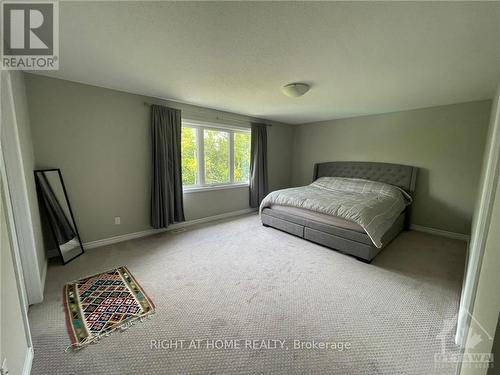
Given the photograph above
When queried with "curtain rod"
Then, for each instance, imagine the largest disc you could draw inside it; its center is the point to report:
(146, 104)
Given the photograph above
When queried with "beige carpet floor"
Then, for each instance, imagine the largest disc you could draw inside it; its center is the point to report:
(237, 280)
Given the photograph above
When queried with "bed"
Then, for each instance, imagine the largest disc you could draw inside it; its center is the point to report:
(328, 211)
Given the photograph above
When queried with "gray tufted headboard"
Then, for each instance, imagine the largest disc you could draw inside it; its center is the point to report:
(403, 176)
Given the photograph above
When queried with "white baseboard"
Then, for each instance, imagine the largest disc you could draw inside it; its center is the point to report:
(28, 361)
(149, 232)
(210, 218)
(440, 232)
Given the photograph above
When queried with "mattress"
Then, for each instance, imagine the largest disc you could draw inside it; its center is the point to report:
(319, 217)
(371, 204)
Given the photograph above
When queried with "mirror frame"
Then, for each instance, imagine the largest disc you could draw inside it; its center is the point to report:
(70, 212)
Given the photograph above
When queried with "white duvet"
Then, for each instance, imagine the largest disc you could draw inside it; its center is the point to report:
(373, 205)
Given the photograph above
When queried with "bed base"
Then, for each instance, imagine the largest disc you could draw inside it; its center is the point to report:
(344, 240)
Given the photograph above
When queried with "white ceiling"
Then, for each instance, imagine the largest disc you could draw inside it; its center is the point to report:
(360, 58)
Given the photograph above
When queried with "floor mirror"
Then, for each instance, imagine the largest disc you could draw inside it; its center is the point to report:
(57, 211)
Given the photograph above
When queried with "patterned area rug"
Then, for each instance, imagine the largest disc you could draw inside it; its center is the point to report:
(99, 304)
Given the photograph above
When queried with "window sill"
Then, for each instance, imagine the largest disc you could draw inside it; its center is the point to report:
(197, 189)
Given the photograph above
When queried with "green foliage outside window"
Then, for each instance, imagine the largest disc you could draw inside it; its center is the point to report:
(216, 149)
(216, 156)
(241, 157)
(188, 150)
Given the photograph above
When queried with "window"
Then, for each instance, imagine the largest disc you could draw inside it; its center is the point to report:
(214, 156)
(189, 160)
(216, 147)
(241, 157)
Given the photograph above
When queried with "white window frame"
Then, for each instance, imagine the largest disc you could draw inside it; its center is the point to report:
(200, 155)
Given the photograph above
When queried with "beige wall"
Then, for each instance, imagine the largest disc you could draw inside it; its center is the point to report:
(100, 139)
(28, 160)
(487, 302)
(13, 343)
(480, 295)
(446, 143)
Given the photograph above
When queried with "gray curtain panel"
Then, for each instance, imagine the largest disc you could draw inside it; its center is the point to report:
(61, 225)
(166, 201)
(258, 165)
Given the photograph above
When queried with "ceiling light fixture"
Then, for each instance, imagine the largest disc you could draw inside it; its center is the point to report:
(296, 89)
